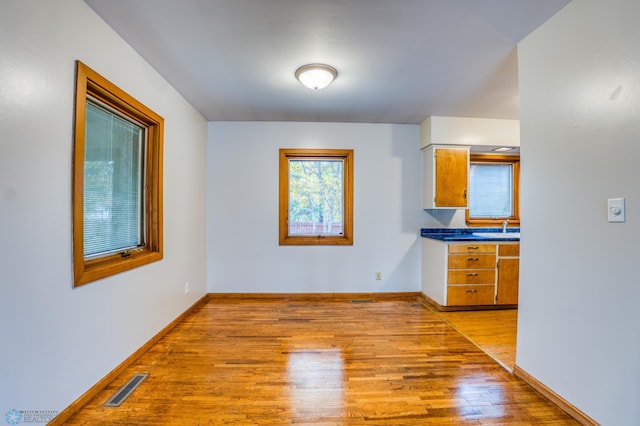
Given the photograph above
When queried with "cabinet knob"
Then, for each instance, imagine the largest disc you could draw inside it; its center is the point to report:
(471, 290)
(472, 274)
(472, 259)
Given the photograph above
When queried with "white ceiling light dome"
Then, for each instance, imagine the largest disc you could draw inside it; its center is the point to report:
(316, 76)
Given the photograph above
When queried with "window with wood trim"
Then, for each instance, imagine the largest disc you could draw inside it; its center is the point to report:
(316, 197)
(494, 190)
(117, 180)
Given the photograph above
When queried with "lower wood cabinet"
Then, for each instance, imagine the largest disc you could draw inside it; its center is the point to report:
(470, 274)
(508, 274)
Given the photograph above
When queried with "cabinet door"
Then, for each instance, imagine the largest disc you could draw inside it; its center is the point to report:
(508, 277)
(452, 170)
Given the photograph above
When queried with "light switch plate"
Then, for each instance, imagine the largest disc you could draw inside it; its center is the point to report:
(615, 210)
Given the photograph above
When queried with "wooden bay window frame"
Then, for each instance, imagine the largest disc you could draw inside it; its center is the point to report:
(91, 85)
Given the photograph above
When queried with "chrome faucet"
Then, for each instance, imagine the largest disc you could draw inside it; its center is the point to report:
(504, 226)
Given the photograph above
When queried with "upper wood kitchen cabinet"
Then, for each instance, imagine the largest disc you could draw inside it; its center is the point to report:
(445, 174)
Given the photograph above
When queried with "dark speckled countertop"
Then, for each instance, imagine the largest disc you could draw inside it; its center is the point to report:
(467, 234)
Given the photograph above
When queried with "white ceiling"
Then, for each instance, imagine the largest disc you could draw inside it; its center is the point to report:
(398, 61)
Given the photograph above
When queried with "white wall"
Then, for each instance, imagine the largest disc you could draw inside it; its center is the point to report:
(579, 322)
(59, 341)
(244, 255)
(469, 131)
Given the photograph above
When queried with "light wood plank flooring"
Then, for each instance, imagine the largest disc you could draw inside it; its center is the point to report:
(494, 331)
(241, 362)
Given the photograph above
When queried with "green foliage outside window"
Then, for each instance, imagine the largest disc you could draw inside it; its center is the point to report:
(316, 197)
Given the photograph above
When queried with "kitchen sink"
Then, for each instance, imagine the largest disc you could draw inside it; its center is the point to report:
(497, 235)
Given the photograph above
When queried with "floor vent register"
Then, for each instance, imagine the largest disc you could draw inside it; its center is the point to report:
(125, 390)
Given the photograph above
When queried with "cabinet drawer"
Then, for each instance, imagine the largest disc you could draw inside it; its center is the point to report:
(470, 295)
(472, 276)
(472, 248)
(509, 250)
(472, 261)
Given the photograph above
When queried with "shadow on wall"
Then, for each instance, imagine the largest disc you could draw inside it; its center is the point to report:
(445, 218)
(410, 167)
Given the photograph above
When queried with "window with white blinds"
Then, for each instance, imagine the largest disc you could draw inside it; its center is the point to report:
(494, 190)
(113, 182)
(491, 190)
(117, 180)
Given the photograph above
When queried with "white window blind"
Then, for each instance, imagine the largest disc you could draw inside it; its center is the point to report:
(491, 190)
(113, 182)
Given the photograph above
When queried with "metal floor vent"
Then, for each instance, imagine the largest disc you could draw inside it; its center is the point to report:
(126, 390)
(363, 301)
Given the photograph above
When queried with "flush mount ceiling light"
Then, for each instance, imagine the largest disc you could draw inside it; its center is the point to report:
(503, 149)
(316, 76)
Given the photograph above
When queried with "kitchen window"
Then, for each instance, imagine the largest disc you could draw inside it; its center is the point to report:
(117, 180)
(316, 197)
(494, 190)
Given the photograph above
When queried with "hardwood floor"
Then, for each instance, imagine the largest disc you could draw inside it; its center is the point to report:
(494, 331)
(269, 362)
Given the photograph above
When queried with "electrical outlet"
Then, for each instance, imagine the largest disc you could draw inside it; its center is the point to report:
(187, 287)
(378, 276)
